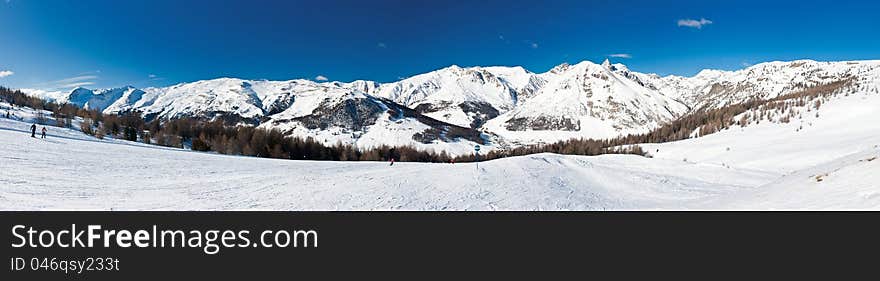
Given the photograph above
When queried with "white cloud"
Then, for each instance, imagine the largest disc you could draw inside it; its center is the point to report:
(321, 78)
(5, 73)
(77, 84)
(698, 24)
(151, 76)
(381, 45)
(533, 45)
(623, 56)
(66, 83)
(89, 73)
(501, 37)
(76, 79)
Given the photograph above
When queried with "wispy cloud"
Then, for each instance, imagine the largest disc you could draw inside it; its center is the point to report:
(75, 79)
(321, 78)
(77, 84)
(93, 72)
(692, 23)
(381, 45)
(70, 82)
(154, 77)
(622, 56)
(5, 73)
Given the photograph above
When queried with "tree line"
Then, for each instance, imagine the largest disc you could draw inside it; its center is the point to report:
(216, 136)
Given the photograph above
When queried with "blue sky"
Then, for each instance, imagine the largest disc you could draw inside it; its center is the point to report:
(52, 44)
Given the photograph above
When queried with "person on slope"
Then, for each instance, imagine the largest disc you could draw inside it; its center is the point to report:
(44, 133)
(392, 162)
(34, 130)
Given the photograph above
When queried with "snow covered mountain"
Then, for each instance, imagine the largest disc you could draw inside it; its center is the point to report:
(714, 88)
(466, 97)
(331, 113)
(456, 107)
(586, 100)
(831, 165)
(825, 158)
(101, 100)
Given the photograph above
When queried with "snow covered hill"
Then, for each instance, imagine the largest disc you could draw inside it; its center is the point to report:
(715, 89)
(827, 159)
(849, 182)
(70, 170)
(498, 107)
(841, 126)
(334, 115)
(101, 100)
(329, 112)
(466, 97)
(586, 100)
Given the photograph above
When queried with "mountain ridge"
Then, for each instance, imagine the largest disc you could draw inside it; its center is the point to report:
(497, 106)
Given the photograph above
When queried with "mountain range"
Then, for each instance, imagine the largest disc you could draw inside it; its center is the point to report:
(454, 108)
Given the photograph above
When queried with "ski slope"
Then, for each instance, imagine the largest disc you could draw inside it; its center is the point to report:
(842, 126)
(849, 182)
(69, 170)
(825, 162)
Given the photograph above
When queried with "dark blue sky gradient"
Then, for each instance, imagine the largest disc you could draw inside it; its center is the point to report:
(116, 43)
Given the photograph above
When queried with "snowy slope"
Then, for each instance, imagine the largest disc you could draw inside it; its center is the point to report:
(510, 105)
(330, 112)
(828, 166)
(70, 170)
(462, 96)
(714, 89)
(53, 96)
(99, 99)
(586, 100)
(208, 98)
(827, 159)
(850, 182)
(334, 115)
(842, 126)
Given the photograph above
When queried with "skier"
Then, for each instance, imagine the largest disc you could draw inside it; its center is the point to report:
(391, 156)
(34, 130)
(44, 133)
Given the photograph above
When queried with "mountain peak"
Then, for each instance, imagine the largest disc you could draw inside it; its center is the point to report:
(560, 68)
(606, 63)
